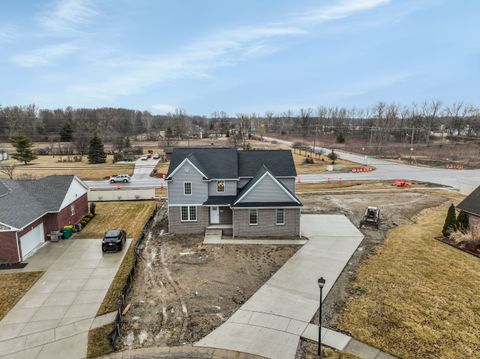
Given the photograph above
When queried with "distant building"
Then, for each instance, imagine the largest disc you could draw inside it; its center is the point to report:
(3, 155)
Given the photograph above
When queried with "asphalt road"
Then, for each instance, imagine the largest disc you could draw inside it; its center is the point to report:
(390, 170)
(140, 178)
(385, 170)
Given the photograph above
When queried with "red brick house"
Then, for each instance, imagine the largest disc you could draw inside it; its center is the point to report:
(31, 209)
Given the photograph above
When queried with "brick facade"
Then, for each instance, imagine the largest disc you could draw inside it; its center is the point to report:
(266, 226)
(176, 226)
(474, 221)
(8, 244)
(51, 222)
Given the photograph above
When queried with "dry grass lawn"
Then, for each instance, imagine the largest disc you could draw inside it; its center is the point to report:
(417, 297)
(13, 287)
(47, 165)
(130, 216)
(98, 343)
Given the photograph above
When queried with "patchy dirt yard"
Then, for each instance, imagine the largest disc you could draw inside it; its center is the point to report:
(396, 208)
(183, 289)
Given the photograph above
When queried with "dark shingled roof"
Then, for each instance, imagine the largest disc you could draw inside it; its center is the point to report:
(279, 162)
(219, 200)
(224, 163)
(215, 162)
(23, 201)
(471, 204)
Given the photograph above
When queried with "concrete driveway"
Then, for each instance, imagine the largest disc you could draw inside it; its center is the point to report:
(53, 319)
(272, 321)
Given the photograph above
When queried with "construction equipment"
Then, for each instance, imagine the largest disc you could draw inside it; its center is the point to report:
(402, 183)
(371, 218)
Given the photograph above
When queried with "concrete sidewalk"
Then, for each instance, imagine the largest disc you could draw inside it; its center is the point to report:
(271, 322)
(53, 318)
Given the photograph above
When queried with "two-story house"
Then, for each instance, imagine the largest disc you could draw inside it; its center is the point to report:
(244, 193)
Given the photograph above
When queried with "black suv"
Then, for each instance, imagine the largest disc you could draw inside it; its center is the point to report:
(114, 240)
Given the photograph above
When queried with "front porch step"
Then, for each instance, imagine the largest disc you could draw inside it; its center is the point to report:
(213, 235)
(220, 226)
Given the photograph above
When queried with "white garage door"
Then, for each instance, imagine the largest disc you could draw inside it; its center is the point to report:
(32, 240)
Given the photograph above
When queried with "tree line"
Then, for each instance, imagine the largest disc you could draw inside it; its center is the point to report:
(380, 124)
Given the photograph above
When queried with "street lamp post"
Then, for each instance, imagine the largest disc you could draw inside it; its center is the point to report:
(321, 283)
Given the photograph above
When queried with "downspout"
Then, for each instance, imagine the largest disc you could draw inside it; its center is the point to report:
(18, 247)
(233, 223)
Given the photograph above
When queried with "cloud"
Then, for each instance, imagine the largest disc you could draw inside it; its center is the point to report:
(67, 16)
(338, 11)
(164, 108)
(44, 56)
(7, 33)
(195, 60)
(200, 58)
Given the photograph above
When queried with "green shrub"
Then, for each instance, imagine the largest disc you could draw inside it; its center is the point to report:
(462, 221)
(450, 225)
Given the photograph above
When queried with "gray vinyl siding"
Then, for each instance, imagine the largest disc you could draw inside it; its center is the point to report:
(230, 188)
(289, 183)
(176, 226)
(199, 187)
(266, 226)
(266, 190)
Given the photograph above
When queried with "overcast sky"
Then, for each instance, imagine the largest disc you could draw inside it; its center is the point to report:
(238, 55)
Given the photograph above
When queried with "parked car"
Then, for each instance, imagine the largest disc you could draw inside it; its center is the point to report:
(120, 178)
(156, 157)
(114, 240)
(144, 158)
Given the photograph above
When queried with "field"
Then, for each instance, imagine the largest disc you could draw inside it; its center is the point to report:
(13, 287)
(438, 153)
(415, 289)
(49, 165)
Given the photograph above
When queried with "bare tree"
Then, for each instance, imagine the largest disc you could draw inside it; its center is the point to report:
(8, 170)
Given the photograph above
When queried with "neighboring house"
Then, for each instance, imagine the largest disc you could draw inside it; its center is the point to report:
(244, 193)
(31, 209)
(471, 206)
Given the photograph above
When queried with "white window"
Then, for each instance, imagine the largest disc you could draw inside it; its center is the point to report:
(188, 213)
(72, 209)
(220, 186)
(187, 188)
(193, 213)
(280, 216)
(253, 217)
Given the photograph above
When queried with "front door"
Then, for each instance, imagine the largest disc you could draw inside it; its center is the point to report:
(214, 215)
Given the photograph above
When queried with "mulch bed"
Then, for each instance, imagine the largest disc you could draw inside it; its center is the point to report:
(473, 252)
